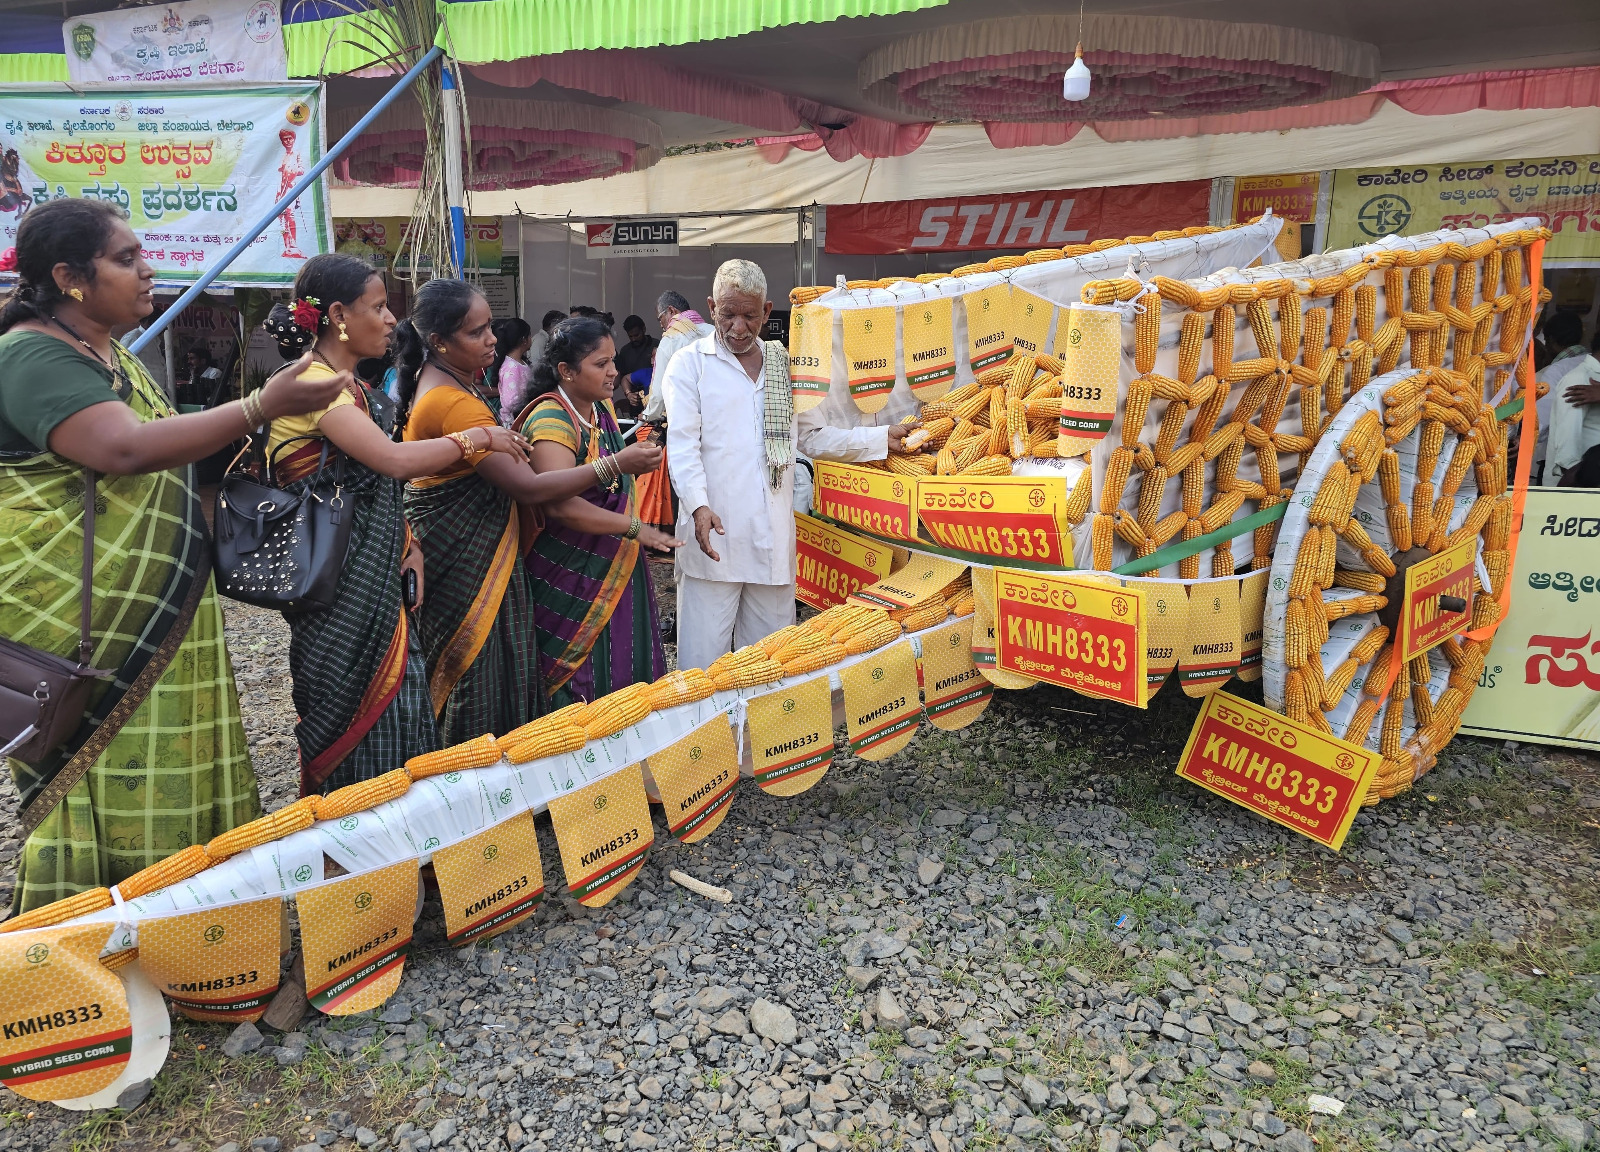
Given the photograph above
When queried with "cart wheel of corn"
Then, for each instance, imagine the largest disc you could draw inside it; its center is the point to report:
(1411, 464)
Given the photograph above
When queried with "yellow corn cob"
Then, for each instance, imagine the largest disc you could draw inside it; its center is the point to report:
(285, 821)
(910, 465)
(60, 911)
(1150, 493)
(552, 740)
(1355, 605)
(1295, 634)
(1327, 559)
(995, 377)
(1171, 428)
(1116, 477)
(930, 429)
(119, 960)
(1078, 499)
(1496, 562)
(1042, 407)
(1017, 427)
(1129, 529)
(1221, 510)
(752, 667)
(874, 634)
(179, 866)
(960, 395)
(1296, 705)
(924, 616)
(829, 653)
(1191, 340)
(682, 687)
(963, 605)
(1307, 565)
(778, 639)
(1020, 378)
(840, 619)
(971, 453)
(1046, 389)
(1044, 442)
(1259, 313)
(1222, 329)
(944, 464)
(1146, 333)
(1399, 519)
(1101, 531)
(364, 794)
(478, 753)
(1315, 683)
(938, 410)
(570, 716)
(801, 642)
(1334, 686)
(969, 408)
(1134, 411)
(1360, 726)
(997, 465)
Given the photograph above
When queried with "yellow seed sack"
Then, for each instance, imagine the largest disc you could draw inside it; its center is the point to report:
(791, 737)
(355, 935)
(603, 830)
(696, 778)
(220, 964)
(490, 882)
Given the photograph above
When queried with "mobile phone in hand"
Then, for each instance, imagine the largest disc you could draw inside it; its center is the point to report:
(411, 588)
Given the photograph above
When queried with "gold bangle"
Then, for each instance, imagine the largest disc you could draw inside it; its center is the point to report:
(634, 527)
(464, 442)
(254, 413)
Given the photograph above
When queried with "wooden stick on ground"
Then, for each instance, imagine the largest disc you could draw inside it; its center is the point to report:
(700, 887)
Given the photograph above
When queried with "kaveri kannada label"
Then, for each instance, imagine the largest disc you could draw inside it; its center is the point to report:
(1078, 632)
(1008, 517)
(877, 502)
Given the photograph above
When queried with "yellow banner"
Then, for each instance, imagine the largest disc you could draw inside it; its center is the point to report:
(1279, 768)
(603, 830)
(491, 881)
(831, 563)
(696, 777)
(1541, 680)
(876, 502)
(1008, 517)
(1562, 192)
(791, 737)
(67, 1030)
(869, 355)
(954, 692)
(1030, 321)
(1083, 633)
(924, 577)
(1252, 614)
(929, 339)
(355, 935)
(1169, 628)
(1089, 342)
(1211, 656)
(988, 311)
(1425, 621)
(985, 645)
(881, 704)
(220, 965)
(810, 354)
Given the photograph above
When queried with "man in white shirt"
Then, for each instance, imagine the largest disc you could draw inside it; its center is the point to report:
(1564, 333)
(681, 326)
(731, 440)
(1574, 417)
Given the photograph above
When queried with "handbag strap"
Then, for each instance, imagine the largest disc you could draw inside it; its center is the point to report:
(86, 593)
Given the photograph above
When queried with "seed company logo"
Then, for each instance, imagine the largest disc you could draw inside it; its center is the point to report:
(430, 843)
(1119, 606)
(491, 851)
(695, 753)
(1036, 497)
(363, 901)
(214, 934)
(452, 777)
(599, 803)
(788, 705)
(302, 874)
(877, 673)
(37, 954)
(350, 823)
(83, 41)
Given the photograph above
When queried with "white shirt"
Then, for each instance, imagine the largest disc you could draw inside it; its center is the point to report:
(1552, 374)
(673, 341)
(837, 430)
(1574, 428)
(718, 459)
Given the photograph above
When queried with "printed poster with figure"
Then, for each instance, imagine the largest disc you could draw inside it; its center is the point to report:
(1541, 680)
(193, 170)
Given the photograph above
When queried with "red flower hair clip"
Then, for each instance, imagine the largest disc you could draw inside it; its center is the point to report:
(8, 260)
(307, 313)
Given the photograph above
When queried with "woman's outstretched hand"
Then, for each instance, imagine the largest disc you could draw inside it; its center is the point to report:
(657, 540)
(291, 392)
(511, 443)
(638, 458)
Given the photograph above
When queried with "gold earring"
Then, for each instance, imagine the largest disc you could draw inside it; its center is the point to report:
(439, 348)
(76, 294)
(344, 337)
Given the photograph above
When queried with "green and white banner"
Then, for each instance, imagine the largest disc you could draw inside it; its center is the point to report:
(193, 170)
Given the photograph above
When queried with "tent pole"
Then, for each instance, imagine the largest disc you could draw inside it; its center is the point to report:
(453, 144)
(288, 198)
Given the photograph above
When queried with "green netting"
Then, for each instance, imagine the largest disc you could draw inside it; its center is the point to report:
(487, 30)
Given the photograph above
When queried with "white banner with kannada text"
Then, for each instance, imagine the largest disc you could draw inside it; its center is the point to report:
(196, 42)
(193, 171)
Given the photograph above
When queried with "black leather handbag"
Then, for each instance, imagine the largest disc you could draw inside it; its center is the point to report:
(282, 548)
(43, 696)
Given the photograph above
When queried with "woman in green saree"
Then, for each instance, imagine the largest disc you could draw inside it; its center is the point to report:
(159, 760)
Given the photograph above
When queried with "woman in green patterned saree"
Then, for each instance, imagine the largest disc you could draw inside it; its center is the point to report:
(159, 759)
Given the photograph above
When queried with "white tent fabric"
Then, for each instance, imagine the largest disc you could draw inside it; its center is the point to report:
(959, 160)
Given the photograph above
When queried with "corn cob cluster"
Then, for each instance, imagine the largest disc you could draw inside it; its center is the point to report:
(1441, 307)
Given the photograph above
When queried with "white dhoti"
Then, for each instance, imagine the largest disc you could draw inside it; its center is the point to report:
(717, 616)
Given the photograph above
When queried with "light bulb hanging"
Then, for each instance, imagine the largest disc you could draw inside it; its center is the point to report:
(1075, 84)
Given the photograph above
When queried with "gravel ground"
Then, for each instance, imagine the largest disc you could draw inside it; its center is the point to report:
(1024, 934)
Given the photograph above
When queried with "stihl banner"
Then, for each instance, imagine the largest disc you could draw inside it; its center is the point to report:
(1020, 220)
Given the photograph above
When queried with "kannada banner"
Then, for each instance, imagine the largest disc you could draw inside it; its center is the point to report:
(198, 42)
(193, 170)
(376, 239)
(1562, 191)
(1541, 680)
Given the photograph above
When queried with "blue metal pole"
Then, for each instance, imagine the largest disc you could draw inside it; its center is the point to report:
(193, 291)
(453, 145)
